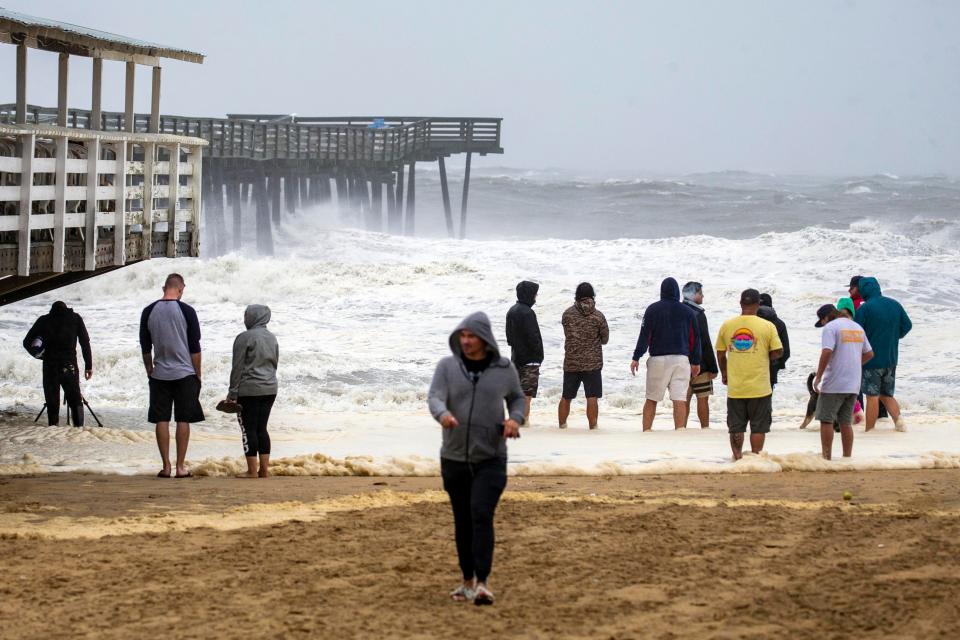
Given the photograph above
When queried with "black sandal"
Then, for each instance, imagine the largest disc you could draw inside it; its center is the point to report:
(163, 474)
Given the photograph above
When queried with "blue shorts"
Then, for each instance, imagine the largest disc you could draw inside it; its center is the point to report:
(879, 382)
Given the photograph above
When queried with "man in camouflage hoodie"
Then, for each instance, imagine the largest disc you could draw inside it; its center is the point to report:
(585, 332)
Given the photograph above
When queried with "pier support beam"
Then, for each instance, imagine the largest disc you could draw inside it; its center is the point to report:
(445, 192)
(466, 192)
(343, 200)
(375, 217)
(21, 84)
(128, 117)
(396, 223)
(289, 192)
(411, 217)
(216, 223)
(96, 95)
(62, 74)
(264, 231)
(237, 213)
(155, 102)
(275, 200)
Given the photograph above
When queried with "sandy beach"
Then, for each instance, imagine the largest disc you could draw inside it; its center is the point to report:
(706, 556)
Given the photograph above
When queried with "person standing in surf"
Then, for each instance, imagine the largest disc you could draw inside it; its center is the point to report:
(467, 397)
(585, 331)
(845, 349)
(53, 338)
(885, 323)
(253, 385)
(746, 345)
(767, 312)
(701, 385)
(671, 332)
(170, 342)
(526, 343)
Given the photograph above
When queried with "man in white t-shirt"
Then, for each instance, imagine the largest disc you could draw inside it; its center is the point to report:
(845, 350)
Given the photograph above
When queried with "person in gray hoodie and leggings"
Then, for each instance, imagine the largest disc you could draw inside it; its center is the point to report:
(467, 398)
(253, 385)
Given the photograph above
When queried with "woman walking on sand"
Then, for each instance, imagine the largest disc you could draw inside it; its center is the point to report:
(253, 385)
(467, 398)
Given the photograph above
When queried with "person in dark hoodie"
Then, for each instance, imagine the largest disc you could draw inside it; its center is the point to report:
(671, 332)
(253, 385)
(53, 338)
(767, 312)
(585, 331)
(885, 323)
(702, 384)
(526, 344)
(467, 397)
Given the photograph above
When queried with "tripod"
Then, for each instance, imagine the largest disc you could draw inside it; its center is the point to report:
(82, 398)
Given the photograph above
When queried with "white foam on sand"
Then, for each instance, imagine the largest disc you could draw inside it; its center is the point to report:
(402, 443)
(362, 319)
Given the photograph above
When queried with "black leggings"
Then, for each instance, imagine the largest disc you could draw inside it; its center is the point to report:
(66, 374)
(474, 491)
(253, 419)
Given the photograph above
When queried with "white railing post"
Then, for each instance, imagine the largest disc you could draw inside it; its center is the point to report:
(149, 158)
(120, 210)
(172, 198)
(28, 142)
(196, 183)
(60, 205)
(93, 181)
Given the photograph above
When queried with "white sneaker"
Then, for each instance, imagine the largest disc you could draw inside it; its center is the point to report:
(899, 424)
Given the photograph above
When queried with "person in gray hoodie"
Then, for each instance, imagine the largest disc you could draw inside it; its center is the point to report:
(467, 397)
(253, 385)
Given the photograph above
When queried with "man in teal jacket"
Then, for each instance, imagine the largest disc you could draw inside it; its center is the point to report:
(885, 323)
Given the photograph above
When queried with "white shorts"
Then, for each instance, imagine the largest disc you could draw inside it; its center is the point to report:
(668, 372)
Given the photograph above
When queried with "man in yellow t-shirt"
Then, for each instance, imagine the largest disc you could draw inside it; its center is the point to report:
(745, 346)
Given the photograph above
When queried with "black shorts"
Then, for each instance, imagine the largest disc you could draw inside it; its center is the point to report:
(592, 384)
(181, 396)
(757, 411)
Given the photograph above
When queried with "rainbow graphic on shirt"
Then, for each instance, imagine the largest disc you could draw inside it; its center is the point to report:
(743, 340)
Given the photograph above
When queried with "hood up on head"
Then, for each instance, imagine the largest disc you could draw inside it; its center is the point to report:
(869, 288)
(669, 289)
(527, 292)
(256, 315)
(479, 324)
(59, 307)
(767, 313)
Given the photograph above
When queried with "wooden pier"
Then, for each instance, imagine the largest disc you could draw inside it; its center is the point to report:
(72, 200)
(80, 217)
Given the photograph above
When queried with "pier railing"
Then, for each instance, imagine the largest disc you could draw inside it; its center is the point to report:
(267, 137)
(82, 200)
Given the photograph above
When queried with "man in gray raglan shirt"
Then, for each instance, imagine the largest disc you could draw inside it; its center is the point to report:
(170, 342)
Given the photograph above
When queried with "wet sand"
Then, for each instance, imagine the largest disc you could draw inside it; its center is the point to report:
(718, 556)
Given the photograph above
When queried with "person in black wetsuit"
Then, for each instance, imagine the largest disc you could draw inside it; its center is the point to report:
(53, 338)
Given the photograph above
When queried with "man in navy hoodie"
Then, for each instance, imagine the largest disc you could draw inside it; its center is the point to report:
(671, 333)
(885, 323)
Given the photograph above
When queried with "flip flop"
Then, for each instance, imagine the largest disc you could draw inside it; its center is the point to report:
(188, 474)
(163, 474)
(483, 596)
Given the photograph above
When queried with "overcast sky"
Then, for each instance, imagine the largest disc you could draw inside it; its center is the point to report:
(823, 87)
